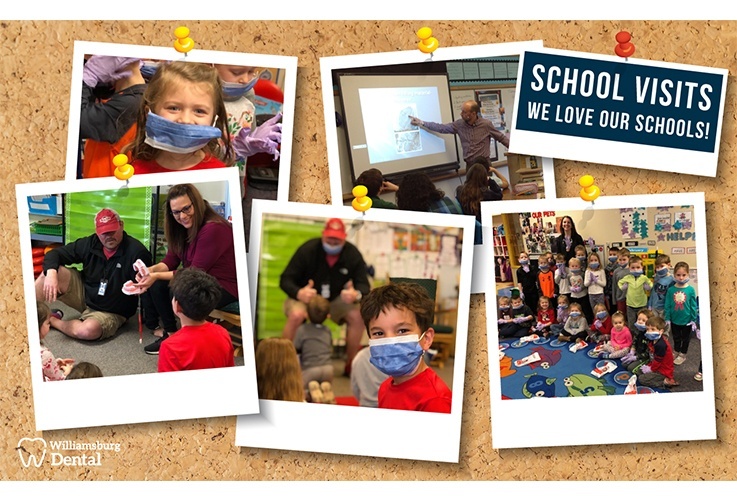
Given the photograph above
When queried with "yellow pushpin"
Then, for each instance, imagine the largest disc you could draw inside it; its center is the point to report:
(183, 42)
(123, 169)
(589, 191)
(361, 202)
(428, 43)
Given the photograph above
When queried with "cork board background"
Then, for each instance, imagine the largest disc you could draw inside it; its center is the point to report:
(35, 58)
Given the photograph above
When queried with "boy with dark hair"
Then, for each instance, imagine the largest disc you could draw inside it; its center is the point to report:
(314, 344)
(609, 269)
(398, 319)
(658, 372)
(198, 344)
(622, 270)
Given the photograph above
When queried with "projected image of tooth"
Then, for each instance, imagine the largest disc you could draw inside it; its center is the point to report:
(403, 118)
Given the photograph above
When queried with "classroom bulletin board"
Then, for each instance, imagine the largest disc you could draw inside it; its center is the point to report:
(36, 61)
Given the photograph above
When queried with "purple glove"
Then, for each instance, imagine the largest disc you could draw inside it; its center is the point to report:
(593, 277)
(646, 369)
(647, 286)
(521, 319)
(695, 328)
(502, 321)
(538, 326)
(629, 358)
(597, 324)
(263, 139)
(624, 286)
(107, 69)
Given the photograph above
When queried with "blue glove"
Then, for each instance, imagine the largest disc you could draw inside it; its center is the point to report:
(646, 369)
(107, 69)
(263, 139)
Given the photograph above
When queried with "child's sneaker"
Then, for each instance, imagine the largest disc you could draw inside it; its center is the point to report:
(679, 359)
(316, 395)
(698, 377)
(327, 393)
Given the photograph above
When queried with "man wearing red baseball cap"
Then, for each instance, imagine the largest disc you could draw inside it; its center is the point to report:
(334, 268)
(96, 291)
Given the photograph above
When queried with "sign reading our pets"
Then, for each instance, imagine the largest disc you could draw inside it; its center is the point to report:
(605, 109)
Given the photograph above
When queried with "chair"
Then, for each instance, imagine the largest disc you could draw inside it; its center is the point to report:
(230, 315)
(444, 321)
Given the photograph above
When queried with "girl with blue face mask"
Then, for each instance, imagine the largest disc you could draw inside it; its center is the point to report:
(681, 311)
(182, 121)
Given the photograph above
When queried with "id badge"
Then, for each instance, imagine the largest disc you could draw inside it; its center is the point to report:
(325, 291)
(103, 287)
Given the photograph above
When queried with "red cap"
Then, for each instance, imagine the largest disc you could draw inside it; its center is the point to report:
(334, 228)
(106, 220)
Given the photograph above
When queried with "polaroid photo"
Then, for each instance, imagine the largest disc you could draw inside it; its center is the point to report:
(292, 244)
(107, 114)
(390, 115)
(619, 111)
(64, 222)
(543, 371)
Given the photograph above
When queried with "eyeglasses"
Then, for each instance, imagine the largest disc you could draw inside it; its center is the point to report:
(185, 210)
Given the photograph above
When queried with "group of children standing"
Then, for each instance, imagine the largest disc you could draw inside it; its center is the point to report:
(608, 305)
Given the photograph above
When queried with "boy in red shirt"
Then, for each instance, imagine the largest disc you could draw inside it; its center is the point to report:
(398, 319)
(198, 344)
(659, 371)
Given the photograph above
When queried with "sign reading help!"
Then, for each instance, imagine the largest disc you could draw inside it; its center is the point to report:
(634, 113)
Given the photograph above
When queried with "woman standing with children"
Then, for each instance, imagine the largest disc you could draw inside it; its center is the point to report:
(197, 237)
(568, 240)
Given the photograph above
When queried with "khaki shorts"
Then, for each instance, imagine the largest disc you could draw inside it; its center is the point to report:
(74, 298)
(338, 309)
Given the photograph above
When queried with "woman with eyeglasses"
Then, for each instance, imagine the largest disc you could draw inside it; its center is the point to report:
(197, 237)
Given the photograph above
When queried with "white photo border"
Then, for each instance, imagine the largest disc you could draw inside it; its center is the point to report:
(282, 424)
(149, 397)
(288, 63)
(517, 423)
(329, 64)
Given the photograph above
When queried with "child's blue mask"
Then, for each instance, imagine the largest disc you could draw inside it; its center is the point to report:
(652, 335)
(594, 265)
(683, 281)
(601, 314)
(178, 137)
(232, 91)
(641, 326)
(396, 356)
(662, 272)
(613, 259)
(636, 274)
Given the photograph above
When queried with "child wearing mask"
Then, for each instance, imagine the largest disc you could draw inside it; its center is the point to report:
(658, 371)
(398, 318)
(527, 279)
(681, 310)
(622, 270)
(602, 326)
(621, 339)
(609, 269)
(576, 325)
(635, 285)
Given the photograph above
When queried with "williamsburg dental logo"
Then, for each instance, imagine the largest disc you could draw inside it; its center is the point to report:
(33, 451)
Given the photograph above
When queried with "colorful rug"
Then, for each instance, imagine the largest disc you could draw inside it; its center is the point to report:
(559, 372)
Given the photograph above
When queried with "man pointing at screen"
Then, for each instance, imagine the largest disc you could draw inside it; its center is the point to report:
(474, 131)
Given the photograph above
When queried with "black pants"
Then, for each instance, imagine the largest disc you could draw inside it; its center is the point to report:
(681, 337)
(156, 305)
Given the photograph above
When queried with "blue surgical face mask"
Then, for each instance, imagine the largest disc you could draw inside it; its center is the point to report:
(544, 268)
(613, 259)
(332, 249)
(523, 262)
(178, 137)
(652, 335)
(396, 356)
(662, 272)
(683, 281)
(601, 314)
(636, 274)
(233, 91)
(582, 260)
(623, 265)
(518, 307)
(575, 314)
(641, 326)
(575, 271)
(504, 308)
(594, 265)
(562, 308)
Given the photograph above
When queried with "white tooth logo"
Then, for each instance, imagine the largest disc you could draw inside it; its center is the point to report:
(31, 458)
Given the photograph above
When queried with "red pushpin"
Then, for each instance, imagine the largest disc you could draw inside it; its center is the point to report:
(624, 47)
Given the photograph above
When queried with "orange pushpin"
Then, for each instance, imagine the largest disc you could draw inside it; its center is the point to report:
(428, 43)
(589, 191)
(361, 202)
(624, 47)
(183, 42)
(123, 169)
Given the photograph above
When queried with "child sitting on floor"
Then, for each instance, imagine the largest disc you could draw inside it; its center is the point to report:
(545, 316)
(277, 371)
(398, 318)
(576, 325)
(314, 344)
(198, 344)
(639, 350)
(53, 368)
(621, 339)
(602, 326)
(561, 315)
(658, 372)
(517, 321)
